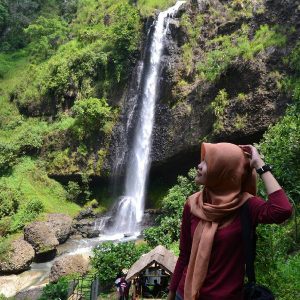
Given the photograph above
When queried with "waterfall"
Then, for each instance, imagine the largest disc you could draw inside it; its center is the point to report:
(130, 208)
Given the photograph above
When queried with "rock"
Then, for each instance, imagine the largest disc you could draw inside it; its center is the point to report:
(61, 224)
(93, 233)
(41, 236)
(18, 258)
(84, 214)
(68, 265)
(32, 293)
(86, 228)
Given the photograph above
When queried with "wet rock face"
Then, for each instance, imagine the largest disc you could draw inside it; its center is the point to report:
(85, 228)
(67, 265)
(84, 214)
(41, 236)
(18, 258)
(180, 128)
(61, 224)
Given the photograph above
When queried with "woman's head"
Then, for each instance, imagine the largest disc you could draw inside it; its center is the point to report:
(224, 167)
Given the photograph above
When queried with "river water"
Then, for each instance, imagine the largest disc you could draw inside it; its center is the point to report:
(38, 275)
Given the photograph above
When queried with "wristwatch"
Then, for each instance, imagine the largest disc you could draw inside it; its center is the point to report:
(263, 169)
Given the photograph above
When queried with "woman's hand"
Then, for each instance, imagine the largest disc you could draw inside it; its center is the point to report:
(256, 162)
(255, 158)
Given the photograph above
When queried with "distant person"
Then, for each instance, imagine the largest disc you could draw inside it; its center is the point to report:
(117, 281)
(211, 263)
(123, 289)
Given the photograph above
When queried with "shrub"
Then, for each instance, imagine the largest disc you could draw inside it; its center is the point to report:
(26, 214)
(45, 36)
(10, 198)
(8, 156)
(55, 291)
(148, 7)
(90, 116)
(281, 142)
(218, 106)
(172, 206)
(73, 191)
(110, 258)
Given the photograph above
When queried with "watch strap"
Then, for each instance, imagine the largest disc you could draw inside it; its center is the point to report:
(263, 169)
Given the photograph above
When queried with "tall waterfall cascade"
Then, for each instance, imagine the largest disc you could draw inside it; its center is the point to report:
(130, 210)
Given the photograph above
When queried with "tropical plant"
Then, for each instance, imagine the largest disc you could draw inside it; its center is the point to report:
(110, 258)
(56, 291)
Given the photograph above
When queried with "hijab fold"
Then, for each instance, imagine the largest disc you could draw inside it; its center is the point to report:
(230, 182)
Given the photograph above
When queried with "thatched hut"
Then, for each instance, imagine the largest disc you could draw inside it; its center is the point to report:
(150, 274)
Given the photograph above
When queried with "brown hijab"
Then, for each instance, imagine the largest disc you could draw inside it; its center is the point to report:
(229, 183)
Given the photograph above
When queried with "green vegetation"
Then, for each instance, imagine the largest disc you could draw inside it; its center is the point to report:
(241, 97)
(54, 291)
(29, 191)
(63, 67)
(192, 27)
(245, 8)
(281, 141)
(91, 115)
(148, 7)
(240, 122)
(45, 36)
(110, 258)
(218, 106)
(105, 38)
(172, 206)
(227, 48)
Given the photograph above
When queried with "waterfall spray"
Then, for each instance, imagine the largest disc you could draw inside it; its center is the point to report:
(131, 206)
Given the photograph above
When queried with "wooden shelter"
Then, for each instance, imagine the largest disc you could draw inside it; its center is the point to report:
(150, 274)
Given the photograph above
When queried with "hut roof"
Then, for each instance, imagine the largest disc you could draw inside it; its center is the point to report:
(162, 256)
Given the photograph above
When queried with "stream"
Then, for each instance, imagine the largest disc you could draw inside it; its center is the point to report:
(38, 274)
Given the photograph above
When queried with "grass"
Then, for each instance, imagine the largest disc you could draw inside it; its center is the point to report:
(148, 7)
(226, 48)
(34, 183)
(240, 121)
(13, 67)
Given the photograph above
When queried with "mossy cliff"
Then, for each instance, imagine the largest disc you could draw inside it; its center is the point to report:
(222, 78)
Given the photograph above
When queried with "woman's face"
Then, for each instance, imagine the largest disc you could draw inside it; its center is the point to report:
(201, 173)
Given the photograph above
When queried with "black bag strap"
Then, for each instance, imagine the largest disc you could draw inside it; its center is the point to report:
(249, 241)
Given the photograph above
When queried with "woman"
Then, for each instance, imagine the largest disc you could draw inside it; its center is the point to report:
(211, 264)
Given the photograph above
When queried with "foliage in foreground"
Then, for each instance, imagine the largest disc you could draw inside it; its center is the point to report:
(56, 291)
(110, 258)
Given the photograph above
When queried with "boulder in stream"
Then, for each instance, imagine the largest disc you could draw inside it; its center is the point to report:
(70, 264)
(18, 258)
(61, 224)
(42, 237)
(85, 228)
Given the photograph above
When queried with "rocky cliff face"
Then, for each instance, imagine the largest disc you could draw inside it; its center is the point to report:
(237, 103)
(184, 115)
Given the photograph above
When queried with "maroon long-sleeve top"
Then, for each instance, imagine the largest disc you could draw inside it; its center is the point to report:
(226, 270)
